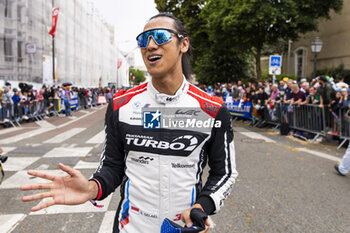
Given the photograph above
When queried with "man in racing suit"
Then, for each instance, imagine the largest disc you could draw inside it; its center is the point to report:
(160, 170)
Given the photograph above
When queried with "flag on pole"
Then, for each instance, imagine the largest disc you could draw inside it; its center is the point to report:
(54, 21)
(120, 62)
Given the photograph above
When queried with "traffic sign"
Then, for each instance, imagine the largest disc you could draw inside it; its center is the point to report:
(275, 65)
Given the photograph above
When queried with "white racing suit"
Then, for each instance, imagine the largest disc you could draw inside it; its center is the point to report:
(159, 170)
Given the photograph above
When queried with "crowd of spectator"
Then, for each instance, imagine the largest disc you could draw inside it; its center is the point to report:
(26, 102)
(322, 92)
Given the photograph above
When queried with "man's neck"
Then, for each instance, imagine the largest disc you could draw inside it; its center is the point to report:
(168, 84)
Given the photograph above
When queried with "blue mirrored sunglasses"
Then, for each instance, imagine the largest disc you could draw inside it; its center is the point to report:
(160, 36)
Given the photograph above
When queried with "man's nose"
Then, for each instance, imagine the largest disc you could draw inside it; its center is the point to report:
(152, 43)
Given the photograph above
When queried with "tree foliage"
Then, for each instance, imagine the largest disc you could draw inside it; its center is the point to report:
(255, 23)
(138, 74)
(227, 32)
(212, 61)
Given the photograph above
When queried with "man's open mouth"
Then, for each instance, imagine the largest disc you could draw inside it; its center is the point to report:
(154, 58)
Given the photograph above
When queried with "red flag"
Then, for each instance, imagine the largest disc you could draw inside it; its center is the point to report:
(120, 62)
(54, 21)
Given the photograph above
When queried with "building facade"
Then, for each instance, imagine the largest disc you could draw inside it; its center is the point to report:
(85, 50)
(335, 35)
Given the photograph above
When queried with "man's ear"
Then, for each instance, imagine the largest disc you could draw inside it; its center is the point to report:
(185, 45)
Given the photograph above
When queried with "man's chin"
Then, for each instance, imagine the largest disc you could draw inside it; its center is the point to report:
(156, 74)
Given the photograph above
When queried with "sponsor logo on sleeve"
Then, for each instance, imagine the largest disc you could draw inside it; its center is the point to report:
(119, 102)
(211, 108)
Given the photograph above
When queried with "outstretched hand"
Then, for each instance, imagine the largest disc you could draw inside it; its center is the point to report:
(71, 189)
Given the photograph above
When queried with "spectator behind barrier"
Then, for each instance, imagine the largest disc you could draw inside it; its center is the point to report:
(298, 96)
(325, 90)
(288, 92)
(341, 84)
(345, 101)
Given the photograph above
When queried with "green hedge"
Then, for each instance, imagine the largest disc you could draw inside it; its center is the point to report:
(278, 77)
(336, 73)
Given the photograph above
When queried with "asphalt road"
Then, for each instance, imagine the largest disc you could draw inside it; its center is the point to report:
(284, 185)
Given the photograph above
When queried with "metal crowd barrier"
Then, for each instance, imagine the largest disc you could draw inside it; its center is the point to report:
(7, 114)
(344, 126)
(308, 118)
(35, 110)
(272, 115)
(38, 110)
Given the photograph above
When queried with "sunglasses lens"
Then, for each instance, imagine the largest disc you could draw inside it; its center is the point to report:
(161, 36)
(142, 39)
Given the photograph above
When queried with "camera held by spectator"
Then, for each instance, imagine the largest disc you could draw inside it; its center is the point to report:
(3, 158)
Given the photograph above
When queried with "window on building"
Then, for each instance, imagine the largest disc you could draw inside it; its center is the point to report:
(300, 60)
(8, 8)
(19, 51)
(8, 49)
(19, 13)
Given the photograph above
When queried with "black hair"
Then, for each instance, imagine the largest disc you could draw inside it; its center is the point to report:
(180, 28)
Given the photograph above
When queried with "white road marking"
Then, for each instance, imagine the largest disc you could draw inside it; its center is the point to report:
(34, 145)
(10, 221)
(42, 167)
(98, 138)
(72, 145)
(86, 165)
(4, 131)
(21, 177)
(68, 152)
(320, 154)
(19, 163)
(26, 135)
(7, 149)
(72, 117)
(252, 135)
(107, 222)
(77, 119)
(65, 135)
(45, 124)
(35, 132)
(83, 208)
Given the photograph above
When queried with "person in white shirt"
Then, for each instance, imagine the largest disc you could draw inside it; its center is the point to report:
(341, 84)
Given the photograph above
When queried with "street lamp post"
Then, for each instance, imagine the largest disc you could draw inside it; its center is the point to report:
(316, 47)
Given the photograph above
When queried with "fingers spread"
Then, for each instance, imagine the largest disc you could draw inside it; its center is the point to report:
(43, 205)
(35, 186)
(41, 175)
(37, 196)
(68, 169)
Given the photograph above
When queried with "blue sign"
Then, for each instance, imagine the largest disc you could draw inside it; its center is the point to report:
(151, 119)
(275, 61)
(240, 109)
(73, 104)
